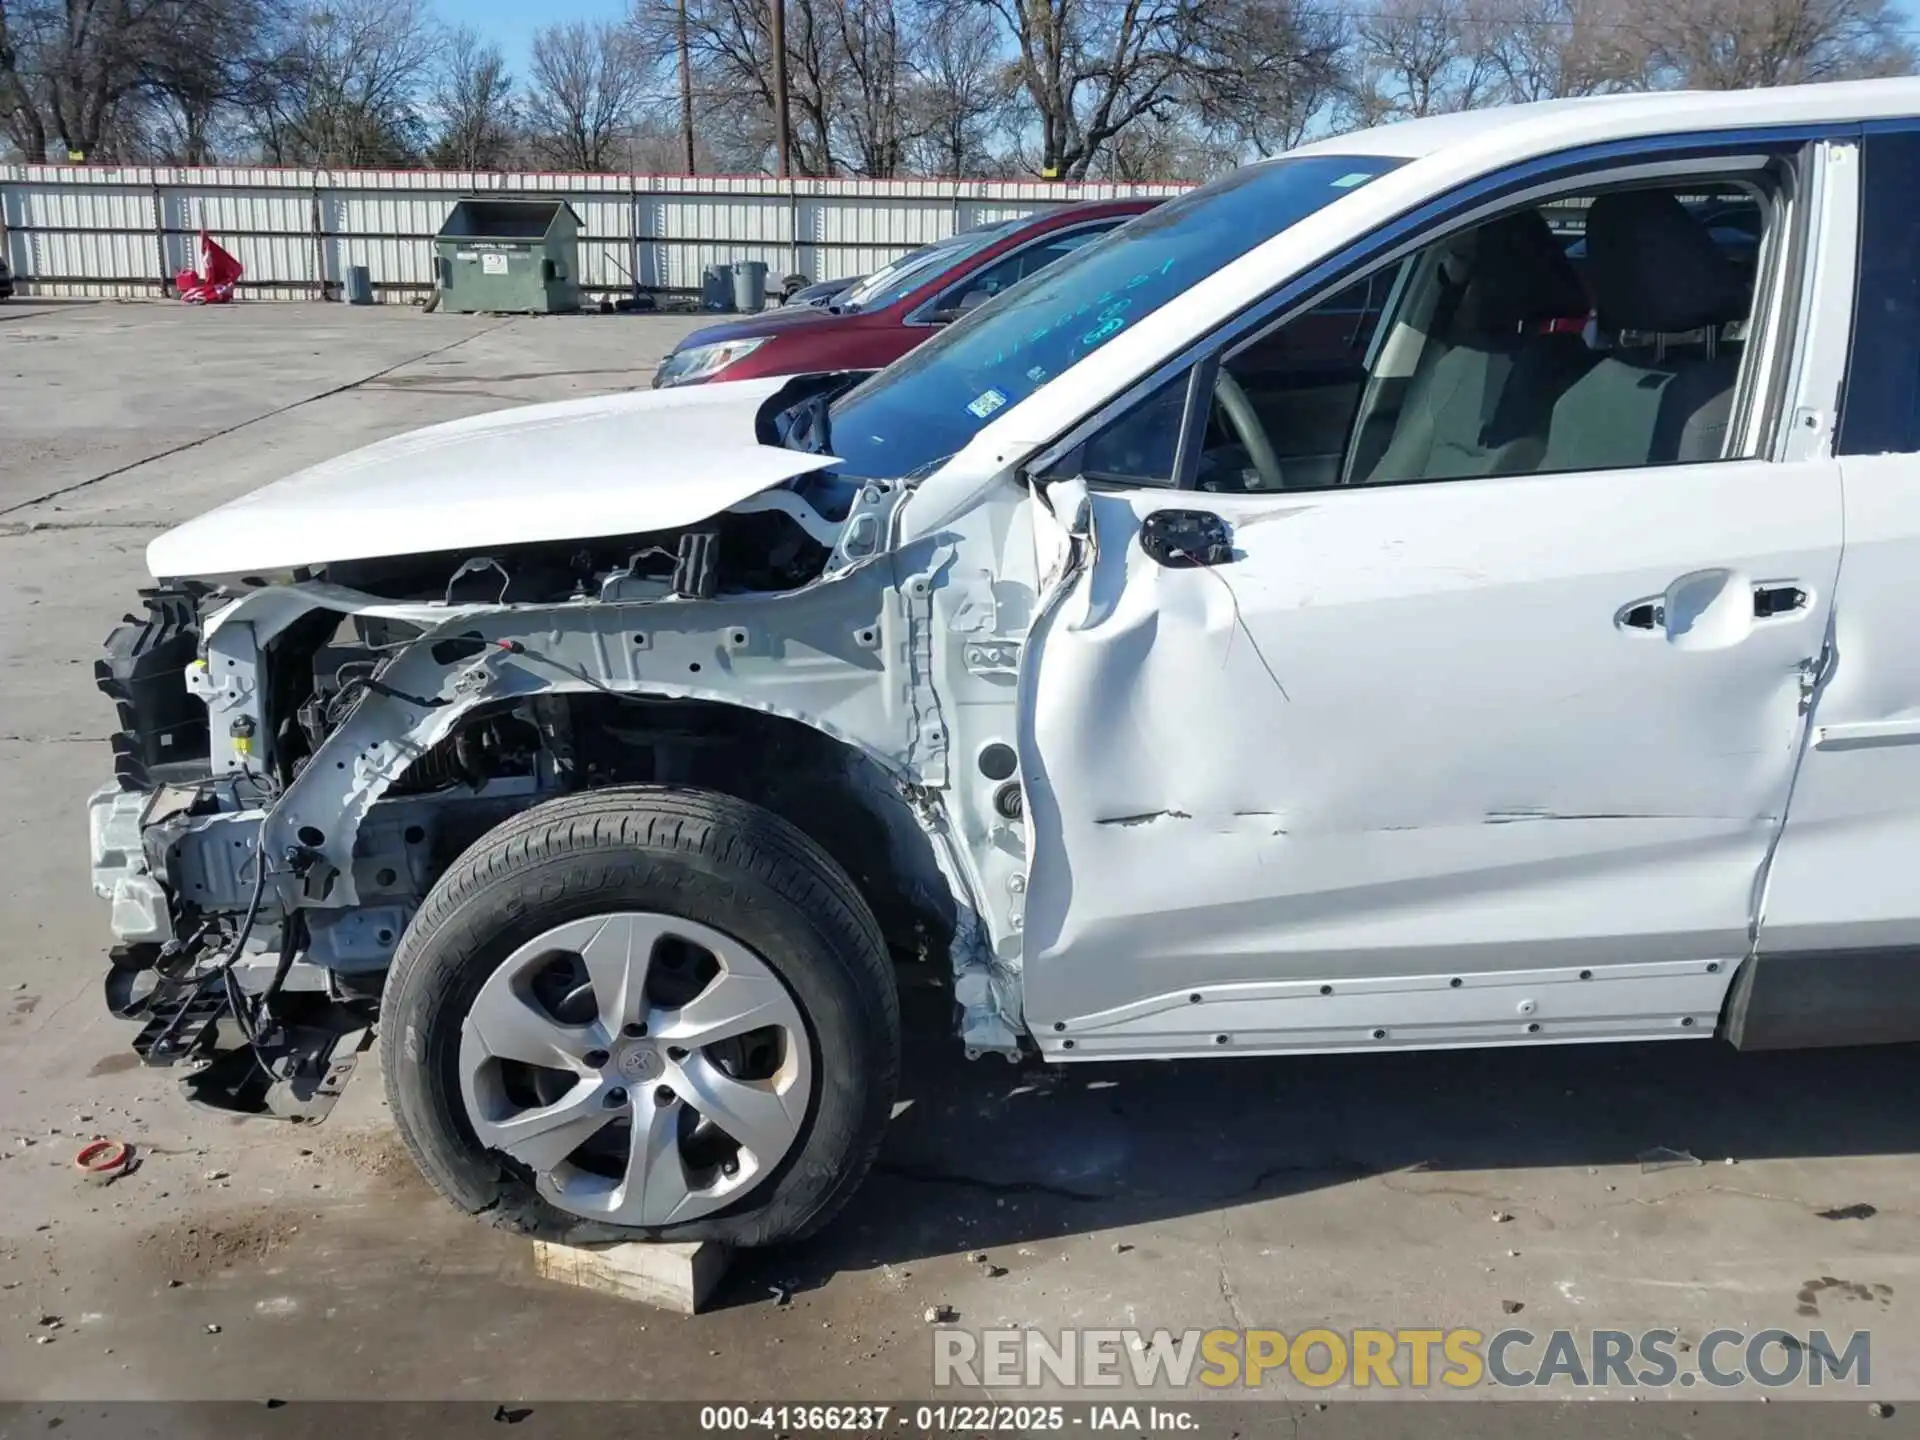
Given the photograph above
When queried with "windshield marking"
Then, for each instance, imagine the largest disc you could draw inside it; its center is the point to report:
(932, 401)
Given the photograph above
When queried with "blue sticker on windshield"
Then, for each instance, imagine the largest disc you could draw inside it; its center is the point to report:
(987, 404)
(1347, 182)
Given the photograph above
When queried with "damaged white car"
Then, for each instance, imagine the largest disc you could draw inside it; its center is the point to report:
(1450, 585)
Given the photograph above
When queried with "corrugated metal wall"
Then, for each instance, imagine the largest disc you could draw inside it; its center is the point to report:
(124, 230)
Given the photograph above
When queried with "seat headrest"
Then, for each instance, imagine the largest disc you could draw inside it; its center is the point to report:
(1519, 274)
(1655, 268)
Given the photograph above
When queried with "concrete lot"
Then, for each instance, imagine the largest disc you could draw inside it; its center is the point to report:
(1345, 1192)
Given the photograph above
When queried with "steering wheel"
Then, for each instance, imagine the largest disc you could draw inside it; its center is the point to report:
(1247, 427)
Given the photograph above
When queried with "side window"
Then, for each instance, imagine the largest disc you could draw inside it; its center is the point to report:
(1003, 274)
(1284, 406)
(1322, 351)
(1594, 331)
(1880, 414)
(1143, 445)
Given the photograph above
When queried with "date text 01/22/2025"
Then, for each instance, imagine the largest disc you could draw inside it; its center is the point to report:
(967, 1419)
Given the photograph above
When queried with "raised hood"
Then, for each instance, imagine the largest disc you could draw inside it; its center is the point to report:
(575, 470)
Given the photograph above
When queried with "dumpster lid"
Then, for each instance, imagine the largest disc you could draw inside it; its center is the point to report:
(485, 218)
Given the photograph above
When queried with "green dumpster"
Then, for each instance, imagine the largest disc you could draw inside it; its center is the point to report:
(516, 256)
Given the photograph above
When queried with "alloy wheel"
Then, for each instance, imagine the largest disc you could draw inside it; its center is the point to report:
(646, 1069)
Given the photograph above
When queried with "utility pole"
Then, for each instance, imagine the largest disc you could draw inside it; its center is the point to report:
(686, 90)
(779, 12)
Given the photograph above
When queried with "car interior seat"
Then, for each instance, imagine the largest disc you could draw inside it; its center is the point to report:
(1663, 291)
(1504, 347)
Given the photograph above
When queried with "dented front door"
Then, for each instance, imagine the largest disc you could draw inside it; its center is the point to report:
(1419, 764)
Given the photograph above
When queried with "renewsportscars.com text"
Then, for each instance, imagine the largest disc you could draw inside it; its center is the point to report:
(1456, 1359)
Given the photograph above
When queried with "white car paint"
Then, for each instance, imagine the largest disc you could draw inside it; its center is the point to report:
(574, 469)
(1401, 740)
(1842, 877)
(1395, 777)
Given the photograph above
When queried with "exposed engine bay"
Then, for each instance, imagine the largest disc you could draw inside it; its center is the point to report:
(300, 756)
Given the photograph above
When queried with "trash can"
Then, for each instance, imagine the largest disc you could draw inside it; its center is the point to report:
(716, 287)
(749, 286)
(359, 285)
(516, 254)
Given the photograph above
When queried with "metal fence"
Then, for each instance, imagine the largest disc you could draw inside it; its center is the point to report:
(125, 231)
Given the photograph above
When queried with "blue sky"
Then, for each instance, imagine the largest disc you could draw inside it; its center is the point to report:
(510, 23)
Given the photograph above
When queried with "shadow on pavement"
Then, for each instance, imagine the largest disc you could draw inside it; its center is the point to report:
(989, 1155)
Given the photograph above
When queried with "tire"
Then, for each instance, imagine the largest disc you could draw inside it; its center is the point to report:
(706, 858)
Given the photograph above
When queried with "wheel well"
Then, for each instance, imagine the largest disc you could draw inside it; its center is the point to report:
(839, 796)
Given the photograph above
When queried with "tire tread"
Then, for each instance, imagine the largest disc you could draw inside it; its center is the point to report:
(729, 835)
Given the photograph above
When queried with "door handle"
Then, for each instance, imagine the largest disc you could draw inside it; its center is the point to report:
(1771, 600)
(1182, 539)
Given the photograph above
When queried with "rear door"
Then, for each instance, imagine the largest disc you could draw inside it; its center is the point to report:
(1841, 921)
(1485, 761)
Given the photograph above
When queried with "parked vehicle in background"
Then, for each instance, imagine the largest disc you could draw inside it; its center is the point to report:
(827, 292)
(875, 322)
(1321, 615)
(820, 292)
(6, 279)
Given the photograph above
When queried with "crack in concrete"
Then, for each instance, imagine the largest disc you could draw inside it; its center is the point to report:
(926, 1175)
(1225, 1284)
(85, 986)
(15, 528)
(184, 446)
(1338, 1165)
(53, 739)
(1796, 1201)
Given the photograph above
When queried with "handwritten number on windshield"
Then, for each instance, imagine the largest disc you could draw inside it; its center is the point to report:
(1108, 307)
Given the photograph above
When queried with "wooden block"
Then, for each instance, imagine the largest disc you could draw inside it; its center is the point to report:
(671, 1277)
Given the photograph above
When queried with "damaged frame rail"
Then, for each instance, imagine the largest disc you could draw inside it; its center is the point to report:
(335, 843)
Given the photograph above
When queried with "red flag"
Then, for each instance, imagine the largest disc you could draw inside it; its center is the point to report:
(214, 281)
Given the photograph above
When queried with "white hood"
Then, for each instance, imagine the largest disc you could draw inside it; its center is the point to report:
(609, 465)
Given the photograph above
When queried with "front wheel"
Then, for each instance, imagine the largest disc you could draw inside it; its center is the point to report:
(643, 1013)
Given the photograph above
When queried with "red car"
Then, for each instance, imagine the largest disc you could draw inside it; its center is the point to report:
(896, 308)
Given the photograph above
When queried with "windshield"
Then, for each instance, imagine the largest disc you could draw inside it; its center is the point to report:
(896, 281)
(928, 405)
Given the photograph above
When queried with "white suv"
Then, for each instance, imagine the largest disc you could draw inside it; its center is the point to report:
(1450, 585)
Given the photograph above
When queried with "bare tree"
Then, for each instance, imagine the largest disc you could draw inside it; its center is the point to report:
(584, 93)
(1544, 49)
(345, 89)
(960, 90)
(816, 73)
(200, 73)
(1417, 57)
(1090, 68)
(1733, 44)
(874, 115)
(730, 44)
(1155, 149)
(1262, 73)
(20, 111)
(1074, 88)
(70, 68)
(471, 105)
(655, 146)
